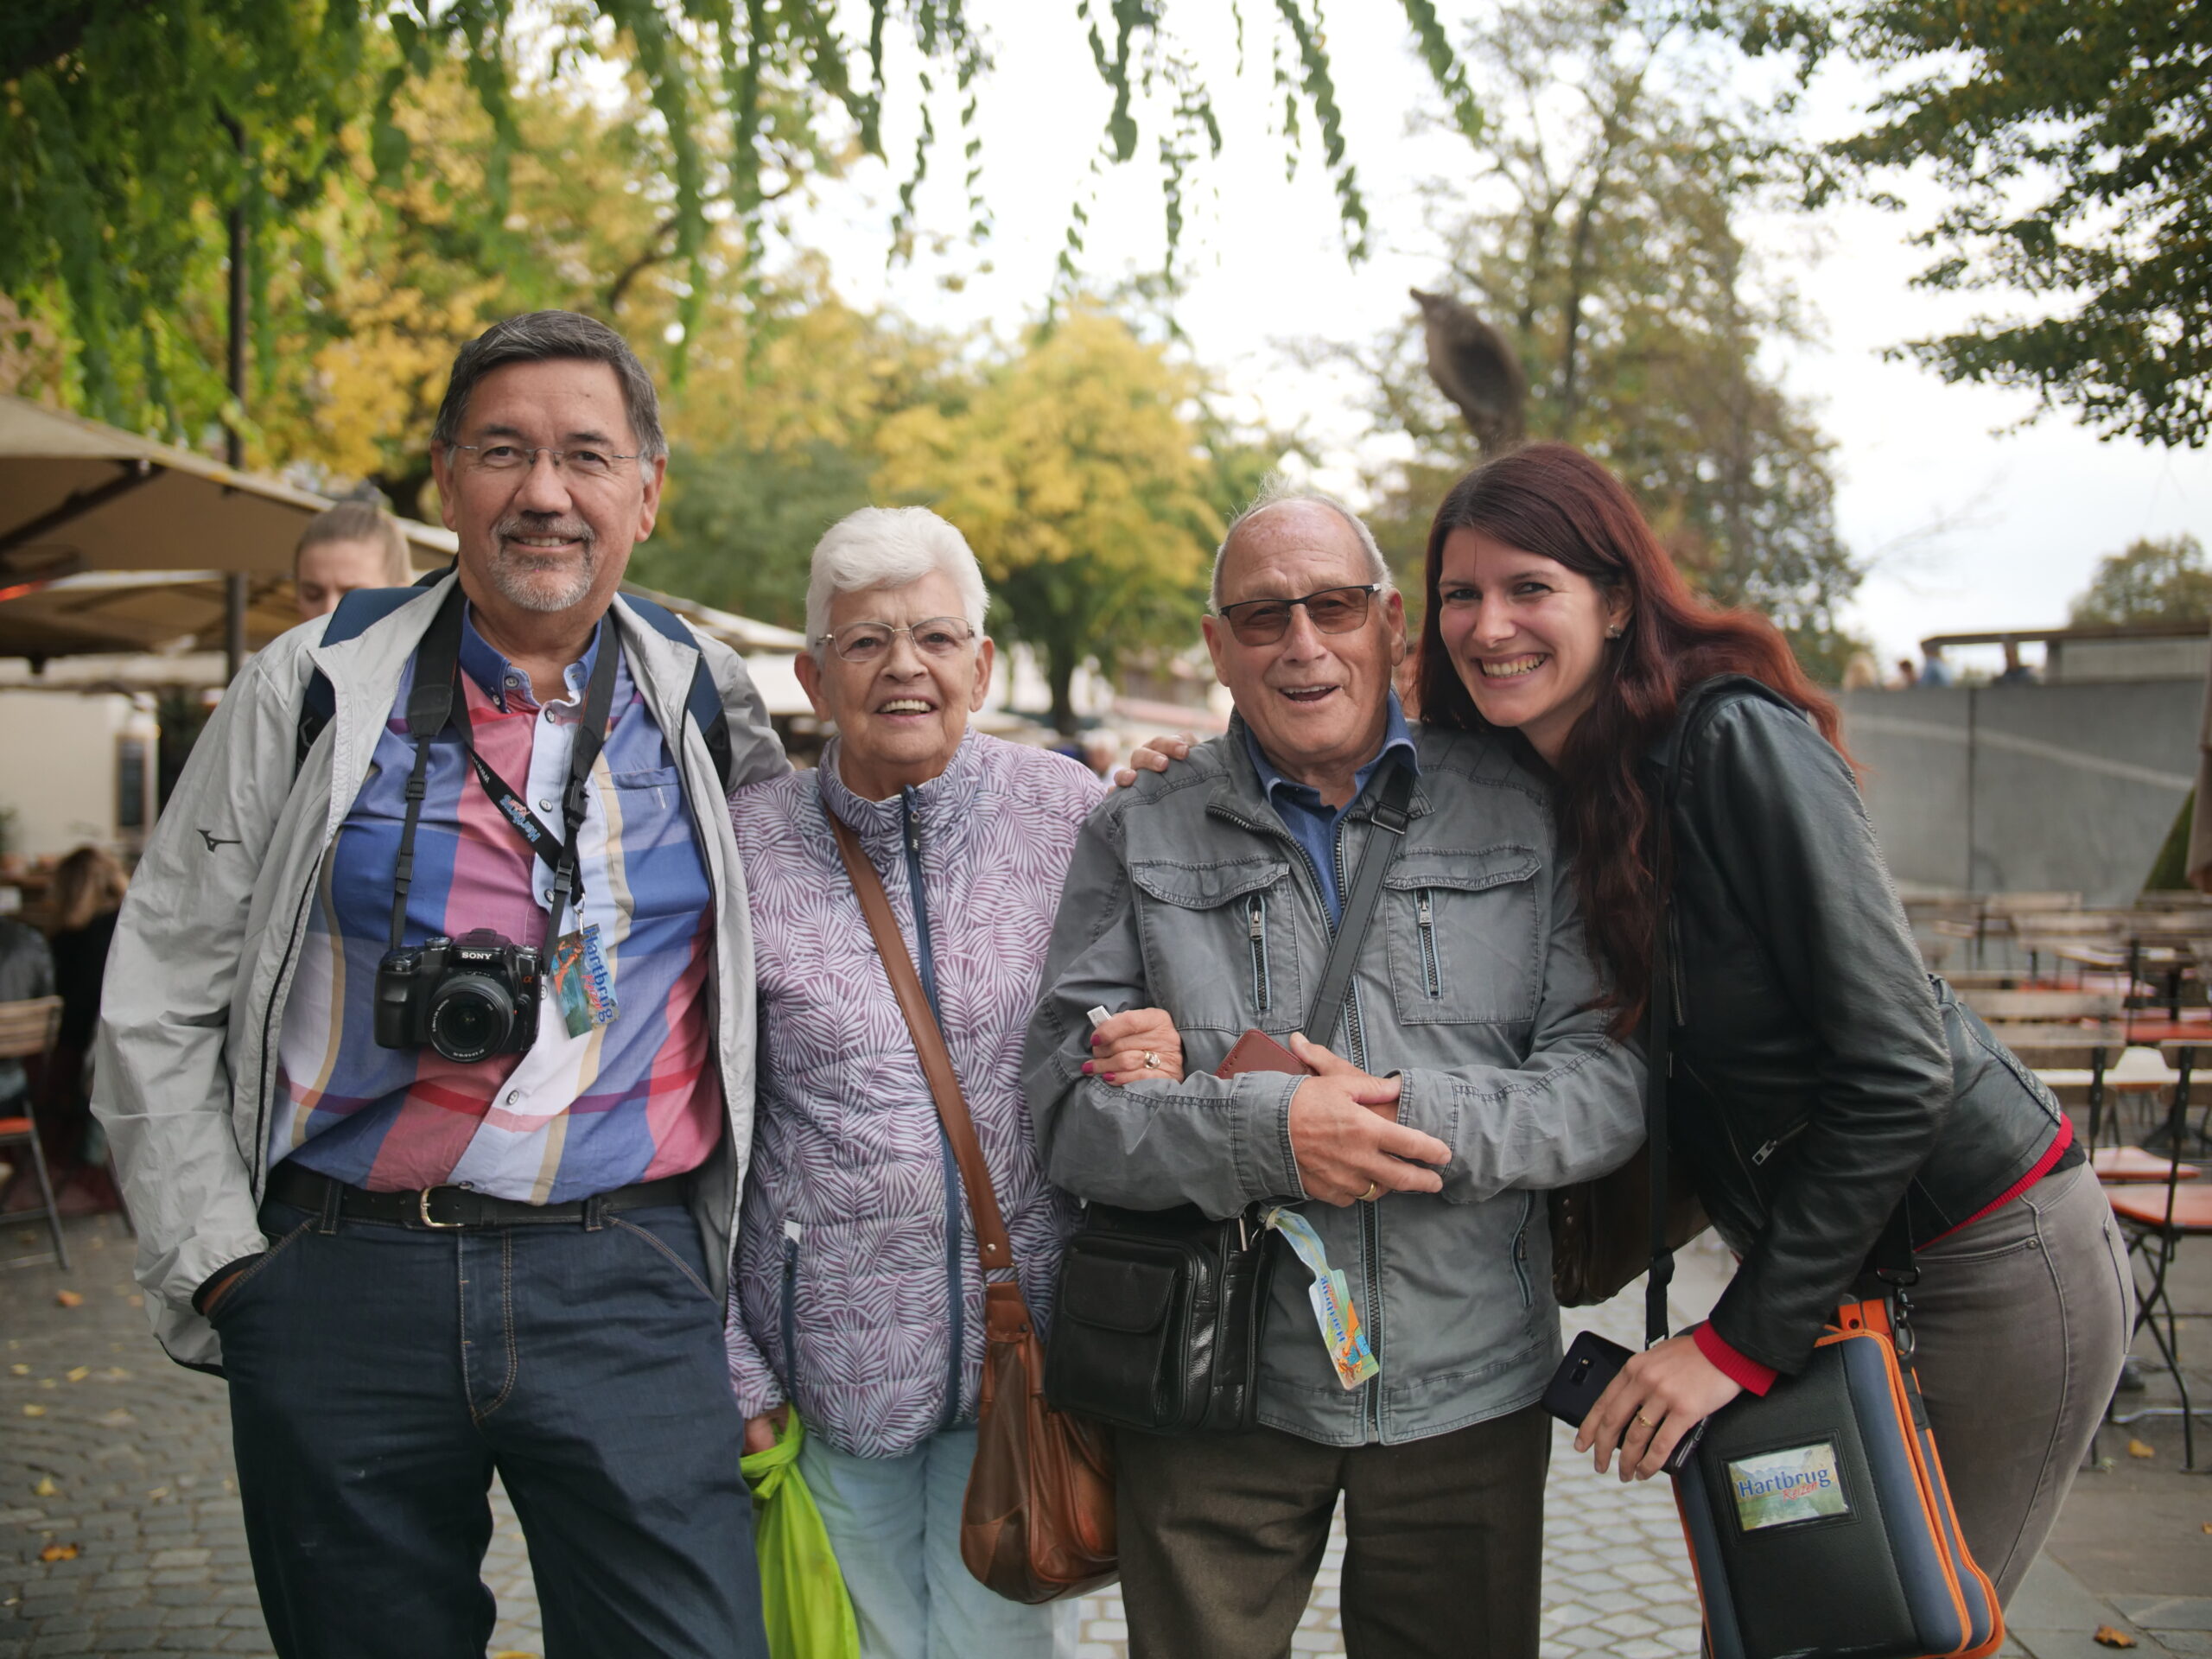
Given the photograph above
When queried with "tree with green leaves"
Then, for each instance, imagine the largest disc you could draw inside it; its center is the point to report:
(2074, 140)
(1078, 477)
(1599, 232)
(128, 133)
(2151, 579)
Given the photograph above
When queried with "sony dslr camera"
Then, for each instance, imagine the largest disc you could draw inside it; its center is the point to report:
(468, 998)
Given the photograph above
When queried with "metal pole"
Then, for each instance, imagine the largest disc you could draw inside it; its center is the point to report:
(234, 593)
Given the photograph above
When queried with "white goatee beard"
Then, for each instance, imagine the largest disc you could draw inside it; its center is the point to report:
(535, 585)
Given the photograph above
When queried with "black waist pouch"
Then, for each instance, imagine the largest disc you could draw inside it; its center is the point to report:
(1158, 1321)
(1819, 1521)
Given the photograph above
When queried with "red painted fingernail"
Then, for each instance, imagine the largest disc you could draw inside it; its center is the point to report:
(1109, 1076)
(1086, 1068)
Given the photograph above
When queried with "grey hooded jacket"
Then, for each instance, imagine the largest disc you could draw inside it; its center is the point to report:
(208, 939)
(1188, 894)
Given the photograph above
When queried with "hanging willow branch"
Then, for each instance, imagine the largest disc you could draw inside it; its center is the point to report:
(109, 148)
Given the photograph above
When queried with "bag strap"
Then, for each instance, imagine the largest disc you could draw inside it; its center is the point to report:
(1390, 817)
(357, 612)
(991, 1241)
(704, 701)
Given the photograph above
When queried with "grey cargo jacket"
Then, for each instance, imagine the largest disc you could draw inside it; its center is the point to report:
(208, 939)
(1188, 894)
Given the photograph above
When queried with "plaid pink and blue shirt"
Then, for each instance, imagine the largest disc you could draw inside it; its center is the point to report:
(634, 1100)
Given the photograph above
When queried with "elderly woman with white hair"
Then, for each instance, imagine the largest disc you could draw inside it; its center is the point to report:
(859, 1295)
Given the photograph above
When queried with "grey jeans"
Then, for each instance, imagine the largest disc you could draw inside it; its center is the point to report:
(2022, 1318)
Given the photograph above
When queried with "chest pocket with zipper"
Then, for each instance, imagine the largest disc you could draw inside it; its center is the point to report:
(1466, 935)
(1220, 943)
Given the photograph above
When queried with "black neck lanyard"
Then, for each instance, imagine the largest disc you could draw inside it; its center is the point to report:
(436, 698)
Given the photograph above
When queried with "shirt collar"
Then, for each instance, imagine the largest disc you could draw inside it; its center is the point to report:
(503, 683)
(1397, 738)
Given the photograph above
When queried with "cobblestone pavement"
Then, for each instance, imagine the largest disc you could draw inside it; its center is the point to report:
(120, 1532)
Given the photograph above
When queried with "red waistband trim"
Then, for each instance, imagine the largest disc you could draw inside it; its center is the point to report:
(2051, 1154)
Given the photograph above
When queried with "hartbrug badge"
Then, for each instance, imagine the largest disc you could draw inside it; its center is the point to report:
(1333, 1311)
(1776, 1489)
(582, 981)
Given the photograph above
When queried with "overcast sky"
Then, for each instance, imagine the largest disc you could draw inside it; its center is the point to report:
(1966, 523)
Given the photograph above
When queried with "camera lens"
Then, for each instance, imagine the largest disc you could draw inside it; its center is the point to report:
(470, 1017)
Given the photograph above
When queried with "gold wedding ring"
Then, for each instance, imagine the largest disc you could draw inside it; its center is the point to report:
(1372, 1189)
(1646, 1420)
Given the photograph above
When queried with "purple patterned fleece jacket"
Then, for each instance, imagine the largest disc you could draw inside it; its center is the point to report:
(856, 1255)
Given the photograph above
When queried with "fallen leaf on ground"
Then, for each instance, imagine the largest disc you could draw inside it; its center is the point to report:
(79, 1373)
(118, 1419)
(157, 1493)
(137, 1302)
(20, 1370)
(34, 1411)
(69, 1553)
(2141, 1449)
(69, 1298)
(46, 1488)
(2106, 1637)
(2207, 1526)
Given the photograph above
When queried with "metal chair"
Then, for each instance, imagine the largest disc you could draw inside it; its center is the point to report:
(28, 1029)
(2158, 1218)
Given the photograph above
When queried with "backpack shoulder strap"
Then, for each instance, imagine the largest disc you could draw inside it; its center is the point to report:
(357, 612)
(704, 704)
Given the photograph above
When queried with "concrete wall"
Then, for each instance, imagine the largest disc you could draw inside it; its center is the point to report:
(2027, 788)
(60, 771)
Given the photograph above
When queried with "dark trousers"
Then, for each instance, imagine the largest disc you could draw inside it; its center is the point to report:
(380, 1374)
(1221, 1536)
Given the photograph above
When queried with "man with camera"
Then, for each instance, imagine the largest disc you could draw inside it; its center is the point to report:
(427, 1055)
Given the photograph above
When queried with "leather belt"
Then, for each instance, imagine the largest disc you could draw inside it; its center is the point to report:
(444, 1208)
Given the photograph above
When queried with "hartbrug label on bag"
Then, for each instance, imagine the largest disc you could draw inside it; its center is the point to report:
(1776, 1489)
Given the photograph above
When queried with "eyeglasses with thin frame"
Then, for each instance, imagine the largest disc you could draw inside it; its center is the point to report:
(514, 459)
(1331, 610)
(870, 642)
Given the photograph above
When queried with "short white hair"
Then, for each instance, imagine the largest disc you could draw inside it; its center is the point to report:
(1275, 491)
(889, 546)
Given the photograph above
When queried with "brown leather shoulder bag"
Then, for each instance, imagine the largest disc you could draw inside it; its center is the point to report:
(1038, 1521)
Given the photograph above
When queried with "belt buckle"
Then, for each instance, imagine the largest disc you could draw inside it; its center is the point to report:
(422, 1209)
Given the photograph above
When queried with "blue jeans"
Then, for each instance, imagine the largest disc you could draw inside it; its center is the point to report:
(894, 1523)
(380, 1374)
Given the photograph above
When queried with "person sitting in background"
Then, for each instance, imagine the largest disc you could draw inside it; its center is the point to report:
(1908, 676)
(858, 1292)
(26, 971)
(87, 892)
(355, 545)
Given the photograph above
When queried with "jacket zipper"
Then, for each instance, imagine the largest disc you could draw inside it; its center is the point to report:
(792, 1233)
(1371, 1220)
(277, 1000)
(1425, 917)
(1779, 1142)
(1521, 1246)
(1258, 937)
(955, 1292)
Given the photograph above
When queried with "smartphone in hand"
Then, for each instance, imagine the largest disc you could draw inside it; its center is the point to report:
(1590, 1363)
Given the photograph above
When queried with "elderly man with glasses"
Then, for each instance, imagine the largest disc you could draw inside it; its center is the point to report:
(1466, 1068)
(426, 1056)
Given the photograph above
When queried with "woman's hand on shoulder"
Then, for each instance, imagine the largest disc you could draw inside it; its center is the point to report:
(1154, 754)
(1659, 1396)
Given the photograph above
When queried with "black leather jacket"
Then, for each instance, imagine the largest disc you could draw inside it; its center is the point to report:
(1820, 1073)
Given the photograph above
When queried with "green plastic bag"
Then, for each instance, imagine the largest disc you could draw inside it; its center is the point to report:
(803, 1599)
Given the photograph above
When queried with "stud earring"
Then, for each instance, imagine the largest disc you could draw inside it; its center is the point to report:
(1613, 633)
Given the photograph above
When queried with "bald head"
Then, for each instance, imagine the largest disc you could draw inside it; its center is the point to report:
(1313, 515)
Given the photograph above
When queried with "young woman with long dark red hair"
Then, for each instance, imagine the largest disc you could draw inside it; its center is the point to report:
(1822, 1079)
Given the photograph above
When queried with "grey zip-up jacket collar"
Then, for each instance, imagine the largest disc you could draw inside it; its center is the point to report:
(209, 936)
(1187, 894)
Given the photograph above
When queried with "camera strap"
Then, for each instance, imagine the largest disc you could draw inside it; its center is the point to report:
(436, 698)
